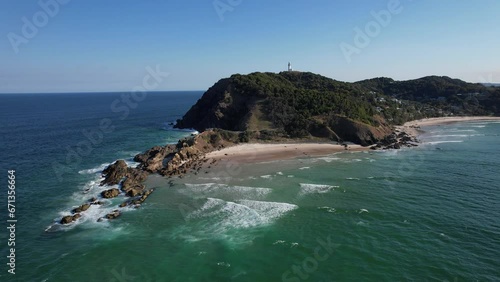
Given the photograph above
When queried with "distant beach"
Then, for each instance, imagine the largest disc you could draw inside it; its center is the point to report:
(263, 152)
(413, 127)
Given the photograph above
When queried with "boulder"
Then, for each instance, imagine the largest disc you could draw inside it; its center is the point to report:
(153, 159)
(134, 192)
(111, 193)
(143, 197)
(114, 173)
(113, 215)
(70, 218)
(134, 179)
(81, 208)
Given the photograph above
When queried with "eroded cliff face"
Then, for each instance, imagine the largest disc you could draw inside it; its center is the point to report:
(358, 132)
(222, 106)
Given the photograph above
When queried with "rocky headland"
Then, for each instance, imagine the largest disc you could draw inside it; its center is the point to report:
(291, 107)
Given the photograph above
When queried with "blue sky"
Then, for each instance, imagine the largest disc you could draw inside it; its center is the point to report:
(105, 45)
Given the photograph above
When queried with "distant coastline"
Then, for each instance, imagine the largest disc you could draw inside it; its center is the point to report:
(262, 152)
(413, 127)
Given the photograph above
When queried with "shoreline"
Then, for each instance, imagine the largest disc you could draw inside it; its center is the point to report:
(263, 152)
(447, 120)
(198, 154)
(413, 127)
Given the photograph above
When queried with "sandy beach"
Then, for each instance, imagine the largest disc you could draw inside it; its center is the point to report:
(446, 120)
(413, 127)
(262, 152)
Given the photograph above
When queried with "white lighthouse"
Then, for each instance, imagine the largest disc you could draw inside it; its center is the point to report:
(289, 66)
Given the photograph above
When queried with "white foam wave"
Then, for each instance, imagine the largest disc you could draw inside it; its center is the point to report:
(307, 188)
(352, 178)
(455, 130)
(224, 264)
(101, 167)
(97, 169)
(214, 190)
(451, 135)
(306, 167)
(329, 159)
(441, 142)
(89, 218)
(132, 164)
(169, 127)
(226, 215)
(328, 209)
(269, 210)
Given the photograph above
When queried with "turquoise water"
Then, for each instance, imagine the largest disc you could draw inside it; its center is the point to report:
(426, 214)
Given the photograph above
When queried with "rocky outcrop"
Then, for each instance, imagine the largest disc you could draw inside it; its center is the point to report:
(114, 173)
(113, 215)
(111, 193)
(131, 183)
(81, 208)
(175, 160)
(143, 198)
(70, 218)
(134, 180)
(153, 159)
(396, 140)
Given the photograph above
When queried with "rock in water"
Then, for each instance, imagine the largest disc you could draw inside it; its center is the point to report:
(113, 215)
(133, 180)
(134, 192)
(114, 173)
(70, 218)
(81, 208)
(152, 159)
(111, 193)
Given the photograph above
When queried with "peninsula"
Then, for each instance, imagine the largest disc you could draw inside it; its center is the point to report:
(270, 116)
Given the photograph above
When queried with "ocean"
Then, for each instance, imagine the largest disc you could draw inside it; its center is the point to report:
(429, 213)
